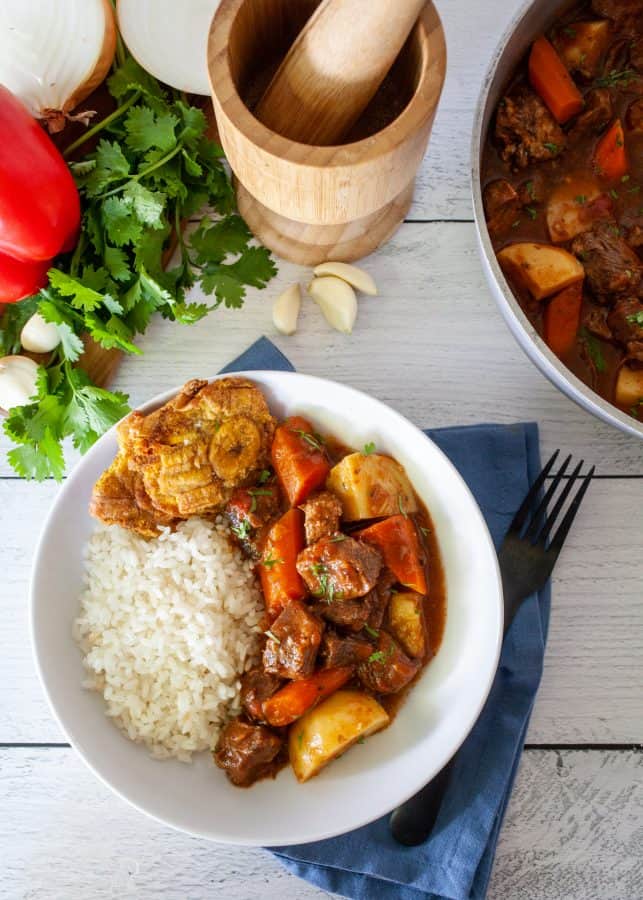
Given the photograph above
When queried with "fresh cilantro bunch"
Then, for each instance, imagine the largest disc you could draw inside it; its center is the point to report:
(152, 169)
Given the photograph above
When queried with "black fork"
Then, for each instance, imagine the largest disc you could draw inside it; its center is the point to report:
(527, 558)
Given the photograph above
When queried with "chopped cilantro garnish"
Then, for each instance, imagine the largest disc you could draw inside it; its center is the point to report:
(616, 78)
(581, 199)
(242, 530)
(636, 318)
(313, 440)
(594, 349)
(270, 561)
(264, 476)
(553, 148)
(371, 631)
(369, 448)
(531, 212)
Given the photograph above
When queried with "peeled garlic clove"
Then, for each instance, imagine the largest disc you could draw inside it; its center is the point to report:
(39, 336)
(285, 310)
(358, 278)
(337, 301)
(17, 381)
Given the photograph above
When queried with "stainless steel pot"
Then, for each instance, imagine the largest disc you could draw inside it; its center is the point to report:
(534, 18)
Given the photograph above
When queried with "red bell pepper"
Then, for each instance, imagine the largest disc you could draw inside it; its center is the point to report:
(20, 279)
(39, 203)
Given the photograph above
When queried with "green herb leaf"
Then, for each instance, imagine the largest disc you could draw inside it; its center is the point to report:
(369, 448)
(594, 349)
(371, 631)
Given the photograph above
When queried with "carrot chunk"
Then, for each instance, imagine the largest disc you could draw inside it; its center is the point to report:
(610, 156)
(397, 539)
(549, 77)
(280, 580)
(297, 697)
(562, 318)
(299, 459)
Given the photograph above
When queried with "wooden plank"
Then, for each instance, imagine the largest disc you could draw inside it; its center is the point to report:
(473, 31)
(592, 689)
(572, 830)
(433, 345)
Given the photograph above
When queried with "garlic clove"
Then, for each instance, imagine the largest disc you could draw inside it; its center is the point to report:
(39, 336)
(18, 376)
(337, 301)
(357, 278)
(285, 310)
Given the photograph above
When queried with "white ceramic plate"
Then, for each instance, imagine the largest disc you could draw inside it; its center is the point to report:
(374, 777)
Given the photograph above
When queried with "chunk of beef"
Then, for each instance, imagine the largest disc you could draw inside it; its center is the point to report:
(323, 512)
(533, 190)
(612, 268)
(635, 236)
(634, 116)
(342, 569)
(501, 206)
(256, 686)
(250, 511)
(291, 648)
(367, 611)
(596, 114)
(595, 321)
(526, 130)
(389, 669)
(626, 14)
(343, 651)
(636, 54)
(247, 752)
(626, 322)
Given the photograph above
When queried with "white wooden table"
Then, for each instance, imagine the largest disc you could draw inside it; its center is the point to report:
(433, 346)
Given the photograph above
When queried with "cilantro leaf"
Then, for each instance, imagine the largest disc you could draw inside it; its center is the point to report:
(81, 296)
(254, 267)
(111, 165)
(148, 205)
(147, 129)
(39, 461)
(213, 242)
(132, 77)
(226, 288)
(54, 312)
(14, 319)
(117, 264)
(119, 223)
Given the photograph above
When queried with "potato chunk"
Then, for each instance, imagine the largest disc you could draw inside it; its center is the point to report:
(582, 44)
(542, 269)
(572, 207)
(329, 729)
(629, 387)
(406, 617)
(371, 486)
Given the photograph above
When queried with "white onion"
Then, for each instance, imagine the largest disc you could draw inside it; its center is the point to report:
(54, 53)
(169, 39)
(17, 380)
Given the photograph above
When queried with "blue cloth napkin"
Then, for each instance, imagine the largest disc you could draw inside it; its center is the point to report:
(499, 463)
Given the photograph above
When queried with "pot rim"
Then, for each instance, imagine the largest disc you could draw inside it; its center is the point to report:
(520, 326)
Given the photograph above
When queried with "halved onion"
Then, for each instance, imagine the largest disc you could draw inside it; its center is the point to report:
(54, 54)
(169, 39)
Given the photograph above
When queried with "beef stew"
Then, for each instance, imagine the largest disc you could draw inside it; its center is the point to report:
(355, 603)
(562, 183)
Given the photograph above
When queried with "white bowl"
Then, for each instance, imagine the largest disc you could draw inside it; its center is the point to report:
(374, 777)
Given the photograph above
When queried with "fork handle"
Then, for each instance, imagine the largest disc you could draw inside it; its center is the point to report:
(412, 823)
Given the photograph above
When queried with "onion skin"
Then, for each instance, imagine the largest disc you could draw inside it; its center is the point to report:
(39, 202)
(103, 63)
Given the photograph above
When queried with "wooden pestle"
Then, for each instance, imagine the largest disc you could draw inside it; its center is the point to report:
(334, 68)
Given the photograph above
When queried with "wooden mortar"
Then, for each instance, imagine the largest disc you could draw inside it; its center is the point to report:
(313, 203)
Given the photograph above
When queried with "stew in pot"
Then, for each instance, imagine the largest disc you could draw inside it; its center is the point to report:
(562, 180)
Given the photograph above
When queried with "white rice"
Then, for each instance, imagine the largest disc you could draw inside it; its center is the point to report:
(166, 628)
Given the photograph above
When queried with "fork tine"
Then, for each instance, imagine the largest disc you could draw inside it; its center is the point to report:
(553, 515)
(559, 538)
(521, 516)
(535, 525)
